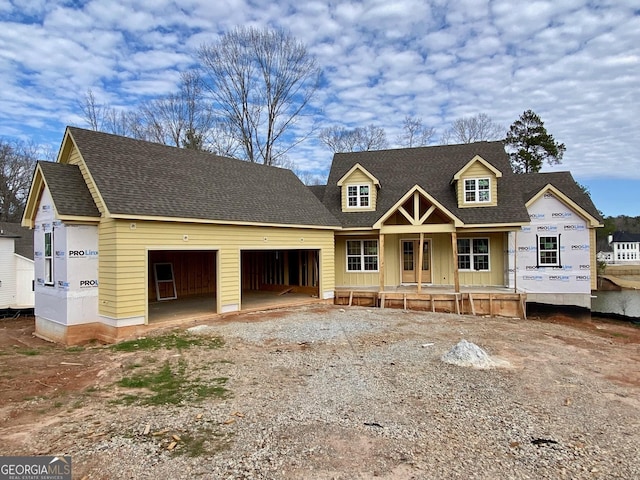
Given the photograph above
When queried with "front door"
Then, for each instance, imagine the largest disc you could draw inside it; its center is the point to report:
(410, 250)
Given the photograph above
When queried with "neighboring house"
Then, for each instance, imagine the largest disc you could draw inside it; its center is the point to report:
(16, 267)
(457, 216)
(122, 224)
(626, 248)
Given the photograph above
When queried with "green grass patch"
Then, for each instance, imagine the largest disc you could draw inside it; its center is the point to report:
(618, 335)
(170, 385)
(168, 342)
(28, 351)
(74, 349)
(203, 442)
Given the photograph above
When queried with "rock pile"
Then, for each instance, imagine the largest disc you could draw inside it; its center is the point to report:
(467, 354)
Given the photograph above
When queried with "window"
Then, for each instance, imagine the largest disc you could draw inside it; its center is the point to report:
(358, 196)
(362, 255)
(473, 254)
(477, 190)
(48, 258)
(549, 251)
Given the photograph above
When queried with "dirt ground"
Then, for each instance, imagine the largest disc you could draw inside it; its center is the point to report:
(43, 384)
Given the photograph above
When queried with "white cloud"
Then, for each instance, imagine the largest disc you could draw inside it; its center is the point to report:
(575, 64)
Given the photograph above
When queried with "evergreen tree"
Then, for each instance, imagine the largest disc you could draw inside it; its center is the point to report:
(529, 144)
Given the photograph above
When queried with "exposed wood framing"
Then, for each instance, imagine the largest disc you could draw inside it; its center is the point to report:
(381, 260)
(480, 303)
(420, 259)
(456, 273)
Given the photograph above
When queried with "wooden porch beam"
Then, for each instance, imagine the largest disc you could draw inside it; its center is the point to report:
(456, 274)
(420, 255)
(381, 261)
(406, 214)
(427, 214)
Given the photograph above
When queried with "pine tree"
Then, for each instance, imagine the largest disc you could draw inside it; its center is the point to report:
(529, 144)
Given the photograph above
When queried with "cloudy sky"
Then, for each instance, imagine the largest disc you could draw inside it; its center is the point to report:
(576, 63)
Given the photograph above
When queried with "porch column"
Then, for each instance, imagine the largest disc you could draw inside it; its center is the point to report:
(420, 255)
(381, 261)
(456, 276)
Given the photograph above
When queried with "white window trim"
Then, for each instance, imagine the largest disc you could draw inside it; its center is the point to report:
(362, 255)
(48, 269)
(557, 263)
(476, 190)
(472, 255)
(359, 197)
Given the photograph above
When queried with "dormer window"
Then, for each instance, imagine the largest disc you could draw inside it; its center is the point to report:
(357, 196)
(477, 190)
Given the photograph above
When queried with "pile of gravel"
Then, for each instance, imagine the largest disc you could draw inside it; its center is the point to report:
(467, 354)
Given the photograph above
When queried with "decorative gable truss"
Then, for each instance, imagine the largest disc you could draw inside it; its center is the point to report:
(359, 189)
(477, 184)
(417, 211)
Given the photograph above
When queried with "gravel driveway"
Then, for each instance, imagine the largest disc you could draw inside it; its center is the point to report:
(332, 393)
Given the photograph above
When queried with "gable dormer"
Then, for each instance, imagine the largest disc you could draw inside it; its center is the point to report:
(358, 190)
(477, 184)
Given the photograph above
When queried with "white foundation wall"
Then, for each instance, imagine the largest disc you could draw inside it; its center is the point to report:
(569, 283)
(73, 297)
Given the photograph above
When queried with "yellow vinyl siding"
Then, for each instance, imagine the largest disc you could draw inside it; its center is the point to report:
(478, 170)
(441, 261)
(124, 251)
(495, 276)
(354, 279)
(357, 177)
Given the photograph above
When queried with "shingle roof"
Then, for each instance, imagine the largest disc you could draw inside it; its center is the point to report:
(432, 168)
(317, 190)
(531, 183)
(68, 190)
(626, 237)
(22, 235)
(140, 178)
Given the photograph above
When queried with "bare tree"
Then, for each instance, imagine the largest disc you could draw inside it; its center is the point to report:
(259, 82)
(17, 161)
(105, 118)
(178, 119)
(415, 134)
(340, 139)
(473, 129)
(221, 140)
(92, 111)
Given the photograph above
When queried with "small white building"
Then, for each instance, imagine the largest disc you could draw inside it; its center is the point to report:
(16, 267)
(626, 248)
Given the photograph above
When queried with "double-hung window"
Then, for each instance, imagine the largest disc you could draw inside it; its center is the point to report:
(549, 251)
(473, 254)
(362, 255)
(358, 196)
(477, 190)
(48, 258)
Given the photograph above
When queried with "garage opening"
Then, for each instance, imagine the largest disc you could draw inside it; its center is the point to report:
(279, 277)
(182, 284)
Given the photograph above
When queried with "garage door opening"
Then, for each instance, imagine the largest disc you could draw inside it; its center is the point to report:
(279, 277)
(182, 284)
